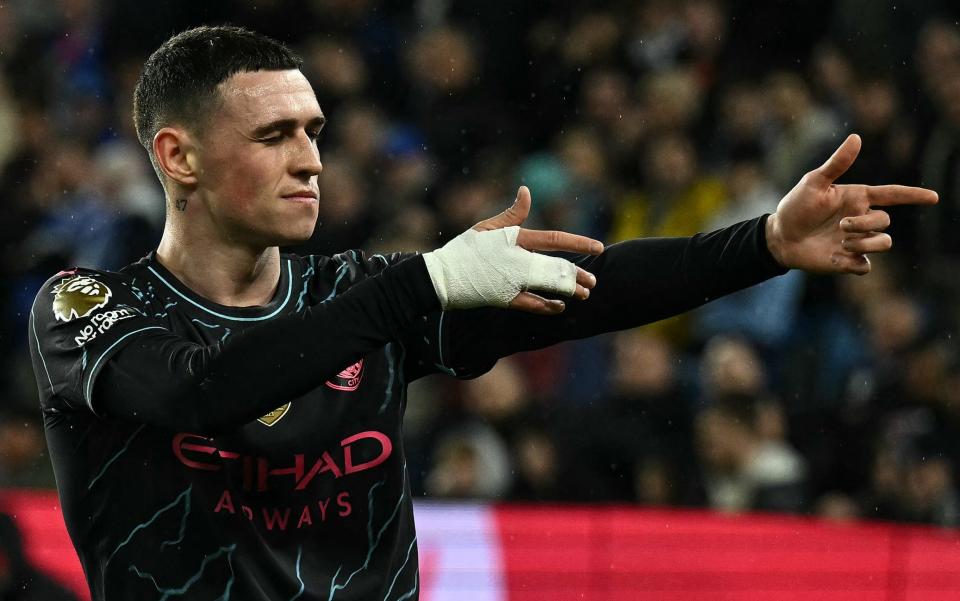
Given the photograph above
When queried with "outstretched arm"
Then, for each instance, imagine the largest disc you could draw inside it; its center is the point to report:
(638, 282)
(818, 226)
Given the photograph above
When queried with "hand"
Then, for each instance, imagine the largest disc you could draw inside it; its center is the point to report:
(534, 240)
(827, 228)
(493, 264)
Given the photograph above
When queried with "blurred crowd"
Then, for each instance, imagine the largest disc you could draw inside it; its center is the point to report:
(837, 396)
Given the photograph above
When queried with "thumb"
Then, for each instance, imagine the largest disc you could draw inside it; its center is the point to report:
(841, 159)
(516, 214)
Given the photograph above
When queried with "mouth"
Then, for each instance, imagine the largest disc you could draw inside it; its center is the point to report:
(305, 195)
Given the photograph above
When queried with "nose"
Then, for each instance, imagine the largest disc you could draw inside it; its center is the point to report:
(306, 163)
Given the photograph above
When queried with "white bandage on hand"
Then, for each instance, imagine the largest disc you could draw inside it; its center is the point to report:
(478, 269)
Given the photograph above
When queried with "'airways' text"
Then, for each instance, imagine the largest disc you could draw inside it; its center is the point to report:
(283, 517)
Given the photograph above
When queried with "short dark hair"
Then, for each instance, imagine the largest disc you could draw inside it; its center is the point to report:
(179, 81)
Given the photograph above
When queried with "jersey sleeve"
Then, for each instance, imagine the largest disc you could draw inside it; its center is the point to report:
(79, 320)
(429, 345)
(164, 379)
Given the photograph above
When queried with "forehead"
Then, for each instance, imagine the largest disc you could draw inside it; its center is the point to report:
(263, 96)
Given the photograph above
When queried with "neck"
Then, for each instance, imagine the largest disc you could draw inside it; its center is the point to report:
(222, 271)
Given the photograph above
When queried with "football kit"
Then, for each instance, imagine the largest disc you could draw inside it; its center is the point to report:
(254, 453)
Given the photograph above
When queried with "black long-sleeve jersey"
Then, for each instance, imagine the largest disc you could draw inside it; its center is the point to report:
(211, 452)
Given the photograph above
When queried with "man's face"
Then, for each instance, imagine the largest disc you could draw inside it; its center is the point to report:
(257, 160)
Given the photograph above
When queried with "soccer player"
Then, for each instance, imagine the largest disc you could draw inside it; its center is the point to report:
(224, 420)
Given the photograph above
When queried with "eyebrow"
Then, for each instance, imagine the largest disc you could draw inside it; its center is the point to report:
(287, 125)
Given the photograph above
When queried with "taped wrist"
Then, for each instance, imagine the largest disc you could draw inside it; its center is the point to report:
(478, 269)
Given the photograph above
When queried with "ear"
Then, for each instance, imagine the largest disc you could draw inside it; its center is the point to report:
(174, 148)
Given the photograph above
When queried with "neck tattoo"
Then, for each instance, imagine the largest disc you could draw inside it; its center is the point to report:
(182, 205)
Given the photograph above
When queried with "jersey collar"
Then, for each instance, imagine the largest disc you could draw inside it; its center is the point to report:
(255, 313)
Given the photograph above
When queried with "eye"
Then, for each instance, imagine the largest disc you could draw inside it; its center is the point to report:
(270, 140)
(314, 135)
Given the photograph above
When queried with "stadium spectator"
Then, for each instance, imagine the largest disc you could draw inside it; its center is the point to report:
(765, 313)
(742, 470)
(677, 198)
(23, 457)
(802, 130)
(929, 495)
(537, 474)
(642, 427)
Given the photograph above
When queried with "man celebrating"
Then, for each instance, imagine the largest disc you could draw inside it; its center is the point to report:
(224, 420)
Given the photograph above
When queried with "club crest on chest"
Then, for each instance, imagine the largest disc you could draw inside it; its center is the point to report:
(348, 379)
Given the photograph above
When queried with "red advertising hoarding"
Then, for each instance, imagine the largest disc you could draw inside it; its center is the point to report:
(473, 552)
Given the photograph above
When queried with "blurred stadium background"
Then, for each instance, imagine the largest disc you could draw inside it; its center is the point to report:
(680, 446)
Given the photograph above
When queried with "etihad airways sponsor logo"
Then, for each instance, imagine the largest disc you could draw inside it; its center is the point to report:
(348, 379)
(78, 296)
(261, 473)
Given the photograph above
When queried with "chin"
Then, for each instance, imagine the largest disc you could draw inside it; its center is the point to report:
(291, 238)
(295, 231)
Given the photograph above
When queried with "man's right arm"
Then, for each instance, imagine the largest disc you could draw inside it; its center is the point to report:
(145, 373)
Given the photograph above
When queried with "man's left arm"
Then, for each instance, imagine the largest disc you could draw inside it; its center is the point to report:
(638, 282)
(818, 226)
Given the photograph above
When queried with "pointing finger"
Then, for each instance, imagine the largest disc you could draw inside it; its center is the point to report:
(561, 241)
(841, 159)
(900, 195)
